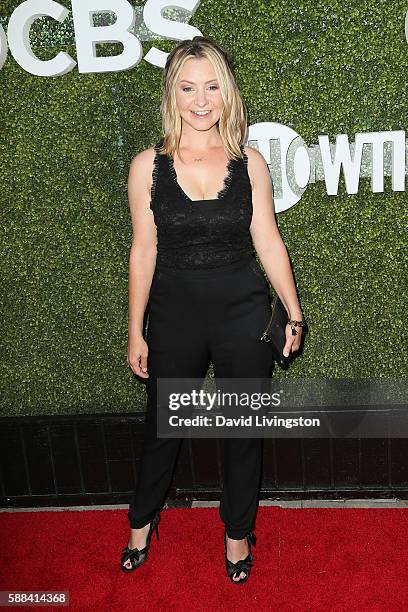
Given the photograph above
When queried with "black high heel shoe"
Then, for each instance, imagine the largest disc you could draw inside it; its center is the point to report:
(138, 557)
(243, 565)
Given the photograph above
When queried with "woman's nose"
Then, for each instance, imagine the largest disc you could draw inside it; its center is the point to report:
(201, 97)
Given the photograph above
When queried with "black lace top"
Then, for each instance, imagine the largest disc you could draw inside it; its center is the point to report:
(201, 233)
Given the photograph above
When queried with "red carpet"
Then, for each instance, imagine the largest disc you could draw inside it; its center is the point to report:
(305, 559)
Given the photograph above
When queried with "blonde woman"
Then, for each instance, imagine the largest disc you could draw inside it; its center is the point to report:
(201, 203)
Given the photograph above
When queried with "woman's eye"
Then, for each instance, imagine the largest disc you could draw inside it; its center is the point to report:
(185, 88)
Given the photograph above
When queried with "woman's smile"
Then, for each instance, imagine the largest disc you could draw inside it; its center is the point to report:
(201, 114)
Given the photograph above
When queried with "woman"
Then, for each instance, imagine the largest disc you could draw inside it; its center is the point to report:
(199, 202)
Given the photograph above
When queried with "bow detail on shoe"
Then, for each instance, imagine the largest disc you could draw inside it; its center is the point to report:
(136, 556)
(243, 565)
(132, 554)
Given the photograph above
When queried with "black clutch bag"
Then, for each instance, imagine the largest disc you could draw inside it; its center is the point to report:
(275, 332)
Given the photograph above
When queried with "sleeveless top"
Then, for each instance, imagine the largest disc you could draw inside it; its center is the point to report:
(198, 234)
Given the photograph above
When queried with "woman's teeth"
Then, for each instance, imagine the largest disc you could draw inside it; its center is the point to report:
(201, 113)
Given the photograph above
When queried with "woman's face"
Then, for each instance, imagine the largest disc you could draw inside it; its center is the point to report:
(197, 89)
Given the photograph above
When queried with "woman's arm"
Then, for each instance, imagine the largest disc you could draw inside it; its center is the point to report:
(267, 239)
(142, 255)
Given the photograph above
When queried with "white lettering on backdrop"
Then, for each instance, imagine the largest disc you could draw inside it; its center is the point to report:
(293, 165)
(87, 36)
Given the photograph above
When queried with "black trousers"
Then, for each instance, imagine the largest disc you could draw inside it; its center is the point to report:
(194, 317)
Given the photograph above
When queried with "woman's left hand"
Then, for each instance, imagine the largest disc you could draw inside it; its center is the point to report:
(292, 342)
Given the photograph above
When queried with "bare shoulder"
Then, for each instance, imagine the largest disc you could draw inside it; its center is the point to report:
(257, 167)
(141, 166)
(255, 158)
(140, 179)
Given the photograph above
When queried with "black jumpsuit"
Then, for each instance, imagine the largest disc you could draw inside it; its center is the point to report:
(209, 302)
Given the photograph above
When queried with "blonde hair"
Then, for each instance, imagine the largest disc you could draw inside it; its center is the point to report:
(232, 125)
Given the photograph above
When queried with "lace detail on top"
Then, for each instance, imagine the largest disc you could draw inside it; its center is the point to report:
(245, 156)
(198, 234)
(155, 172)
(222, 192)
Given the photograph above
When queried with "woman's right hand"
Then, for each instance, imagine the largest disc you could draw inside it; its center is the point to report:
(137, 356)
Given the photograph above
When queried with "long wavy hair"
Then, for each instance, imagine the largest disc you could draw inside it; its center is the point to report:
(232, 125)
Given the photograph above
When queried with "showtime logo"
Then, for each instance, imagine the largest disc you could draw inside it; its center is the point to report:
(293, 165)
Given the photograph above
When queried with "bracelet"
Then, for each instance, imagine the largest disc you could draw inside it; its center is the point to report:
(293, 323)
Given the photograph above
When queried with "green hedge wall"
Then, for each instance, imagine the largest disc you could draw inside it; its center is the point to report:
(66, 143)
